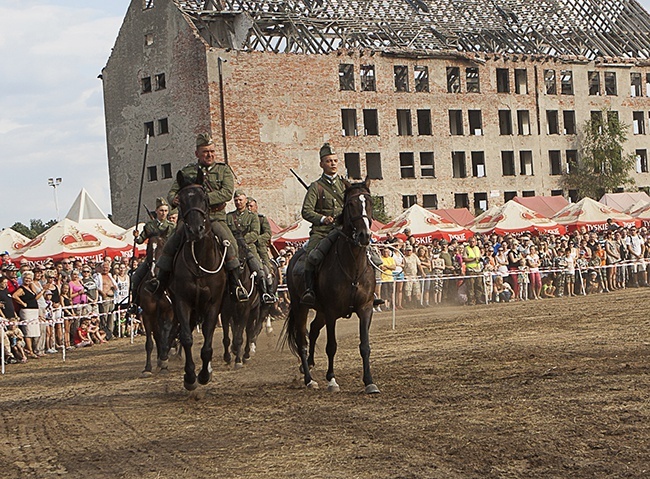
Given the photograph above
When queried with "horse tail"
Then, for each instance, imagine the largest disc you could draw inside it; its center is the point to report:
(290, 332)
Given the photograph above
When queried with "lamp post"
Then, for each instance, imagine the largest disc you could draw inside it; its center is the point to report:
(54, 182)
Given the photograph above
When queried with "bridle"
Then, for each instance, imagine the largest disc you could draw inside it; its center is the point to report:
(202, 210)
(364, 198)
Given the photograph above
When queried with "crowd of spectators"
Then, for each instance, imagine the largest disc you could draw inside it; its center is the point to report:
(67, 304)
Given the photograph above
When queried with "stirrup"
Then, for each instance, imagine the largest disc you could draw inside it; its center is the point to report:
(240, 293)
(269, 298)
(152, 285)
(378, 302)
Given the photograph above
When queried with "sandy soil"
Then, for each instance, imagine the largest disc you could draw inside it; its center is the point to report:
(544, 389)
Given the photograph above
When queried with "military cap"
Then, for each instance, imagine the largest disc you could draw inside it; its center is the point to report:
(204, 139)
(326, 150)
(239, 193)
(160, 201)
(173, 211)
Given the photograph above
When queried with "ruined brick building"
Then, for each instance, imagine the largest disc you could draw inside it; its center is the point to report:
(447, 103)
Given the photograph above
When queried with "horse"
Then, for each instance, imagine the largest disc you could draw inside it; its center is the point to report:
(237, 316)
(157, 313)
(198, 281)
(345, 285)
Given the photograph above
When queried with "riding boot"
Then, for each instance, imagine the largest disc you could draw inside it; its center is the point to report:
(266, 297)
(377, 301)
(237, 290)
(159, 284)
(309, 297)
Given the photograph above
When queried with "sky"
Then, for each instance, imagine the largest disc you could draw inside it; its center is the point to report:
(51, 104)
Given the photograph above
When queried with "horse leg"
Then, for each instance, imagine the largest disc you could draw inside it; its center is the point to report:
(189, 380)
(225, 325)
(251, 332)
(148, 346)
(209, 325)
(238, 339)
(365, 318)
(314, 331)
(330, 349)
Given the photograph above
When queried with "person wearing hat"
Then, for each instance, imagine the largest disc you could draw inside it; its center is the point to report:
(219, 183)
(262, 244)
(472, 258)
(160, 226)
(245, 226)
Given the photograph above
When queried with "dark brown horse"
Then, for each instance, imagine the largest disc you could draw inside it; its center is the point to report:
(198, 279)
(345, 285)
(240, 317)
(157, 313)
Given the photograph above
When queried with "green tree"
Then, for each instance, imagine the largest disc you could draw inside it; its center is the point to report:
(378, 209)
(23, 230)
(35, 228)
(603, 166)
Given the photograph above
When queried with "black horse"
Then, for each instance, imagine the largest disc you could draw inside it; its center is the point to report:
(345, 285)
(198, 278)
(157, 313)
(240, 316)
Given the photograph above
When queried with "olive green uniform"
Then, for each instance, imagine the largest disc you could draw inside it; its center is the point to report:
(219, 183)
(263, 240)
(324, 198)
(246, 225)
(155, 228)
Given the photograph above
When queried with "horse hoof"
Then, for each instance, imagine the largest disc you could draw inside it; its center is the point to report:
(146, 374)
(204, 378)
(190, 386)
(163, 364)
(246, 359)
(332, 386)
(239, 365)
(312, 385)
(269, 329)
(164, 371)
(372, 389)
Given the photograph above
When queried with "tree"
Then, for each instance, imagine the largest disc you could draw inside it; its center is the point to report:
(378, 209)
(603, 166)
(36, 227)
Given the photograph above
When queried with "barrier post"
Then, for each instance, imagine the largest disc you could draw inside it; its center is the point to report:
(2, 347)
(393, 303)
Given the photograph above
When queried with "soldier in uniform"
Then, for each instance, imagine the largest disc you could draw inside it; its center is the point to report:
(219, 183)
(245, 226)
(262, 244)
(160, 226)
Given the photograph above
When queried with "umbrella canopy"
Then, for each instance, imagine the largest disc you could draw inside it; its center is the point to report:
(623, 201)
(11, 240)
(275, 229)
(514, 218)
(546, 206)
(592, 215)
(636, 207)
(69, 239)
(460, 216)
(642, 214)
(295, 235)
(425, 226)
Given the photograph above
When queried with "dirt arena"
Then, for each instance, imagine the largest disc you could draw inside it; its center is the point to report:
(544, 389)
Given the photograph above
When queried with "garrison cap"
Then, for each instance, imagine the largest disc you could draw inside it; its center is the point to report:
(160, 201)
(239, 193)
(173, 211)
(204, 139)
(326, 150)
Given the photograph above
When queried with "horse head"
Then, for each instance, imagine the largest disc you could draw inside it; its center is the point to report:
(357, 212)
(193, 205)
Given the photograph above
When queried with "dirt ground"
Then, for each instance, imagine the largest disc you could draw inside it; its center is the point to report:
(555, 388)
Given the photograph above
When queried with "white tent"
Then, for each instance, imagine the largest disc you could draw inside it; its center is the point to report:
(11, 240)
(592, 215)
(295, 235)
(86, 213)
(623, 201)
(513, 218)
(425, 226)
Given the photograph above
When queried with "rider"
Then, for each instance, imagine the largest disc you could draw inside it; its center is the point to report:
(219, 182)
(262, 244)
(245, 225)
(160, 226)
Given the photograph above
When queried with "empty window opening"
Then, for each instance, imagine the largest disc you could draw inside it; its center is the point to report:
(550, 82)
(521, 81)
(373, 166)
(509, 195)
(557, 192)
(401, 74)
(461, 200)
(528, 193)
(349, 121)
(610, 84)
(146, 85)
(555, 161)
(166, 171)
(456, 122)
(552, 122)
(148, 129)
(459, 169)
(638, 123)
(424, 122)
(594, 83)
(569, 117)
(566, 77)
(404, 126)
(427, 166)
(480, 202)
(346, 76)
(647, 84)
(573, 196)
(596, 121)
(160, 81)
(163, 126)
(641, 161)
(478, 164)
(571, 160)
(453, 80)
(505, 122)
(508, 163)
(368, 78)
(148, 39)
(635, 84)
(409, 200)
(421, 78)
(523, 122)
(526, 163)
(353, 166)
(503, 80)
(430, 201)
(612, 115)
(406, 165)
(152, 173)
(370, 122)
(475, 122)
(472, 80)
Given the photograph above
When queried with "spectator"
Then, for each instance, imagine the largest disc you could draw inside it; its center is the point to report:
(438, 266)
(82, 337)
(533, 263)
(90, 289)
(387, 267)
(412, 272)
(473, 260)
(425, 262)
(548, 289)
(68, 315)
(523, 279)
(636, 249)
(27, 298)
(501, 291)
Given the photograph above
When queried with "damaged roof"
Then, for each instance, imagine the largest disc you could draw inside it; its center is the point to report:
(575, 28)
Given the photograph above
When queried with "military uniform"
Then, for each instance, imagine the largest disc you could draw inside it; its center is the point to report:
(155, 228)
(263, 240)
(324, 198)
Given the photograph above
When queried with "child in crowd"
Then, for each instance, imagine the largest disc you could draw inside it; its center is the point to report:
(95, 333)
(82, 337)
(437, 269)
(501, 291)
(16, 342)
(523, 280)
(548, 289)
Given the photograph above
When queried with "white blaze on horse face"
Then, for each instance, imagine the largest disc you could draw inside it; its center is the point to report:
(366, 220)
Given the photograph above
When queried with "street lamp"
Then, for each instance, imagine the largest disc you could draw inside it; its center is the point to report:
(54, 182)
